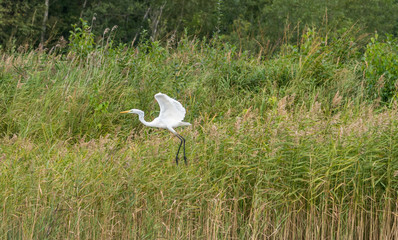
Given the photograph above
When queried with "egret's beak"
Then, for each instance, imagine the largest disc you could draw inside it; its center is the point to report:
(125, 112)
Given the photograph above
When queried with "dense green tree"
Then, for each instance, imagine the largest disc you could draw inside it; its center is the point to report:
(250, 24)
(130, 17)
(20, 21)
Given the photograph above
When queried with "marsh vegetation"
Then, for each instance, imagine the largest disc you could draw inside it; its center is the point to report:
(298, 144)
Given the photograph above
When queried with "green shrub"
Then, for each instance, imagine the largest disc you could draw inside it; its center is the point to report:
(381, 68)
(81, 39)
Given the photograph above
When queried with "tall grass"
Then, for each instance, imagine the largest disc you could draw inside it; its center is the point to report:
(288, 147)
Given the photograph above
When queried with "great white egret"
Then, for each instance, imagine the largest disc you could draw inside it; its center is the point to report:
(171, 115)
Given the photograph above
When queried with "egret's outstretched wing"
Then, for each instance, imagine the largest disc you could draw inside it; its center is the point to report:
(170, 108)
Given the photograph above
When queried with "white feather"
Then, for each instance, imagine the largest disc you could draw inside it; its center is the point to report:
(170, 109)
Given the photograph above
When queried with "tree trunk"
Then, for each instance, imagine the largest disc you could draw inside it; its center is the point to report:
(84, 6)
(155, 24)
(45, 18)
(145, 17)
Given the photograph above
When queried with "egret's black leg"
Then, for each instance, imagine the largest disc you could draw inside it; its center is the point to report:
(183, 140)
(179, 147)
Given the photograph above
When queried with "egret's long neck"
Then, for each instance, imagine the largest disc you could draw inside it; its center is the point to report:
(141, 118)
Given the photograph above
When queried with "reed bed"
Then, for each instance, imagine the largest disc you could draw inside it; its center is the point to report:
(287, 147)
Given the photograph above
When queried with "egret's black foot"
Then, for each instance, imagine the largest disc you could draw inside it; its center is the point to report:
(185, 160)
(177, 161)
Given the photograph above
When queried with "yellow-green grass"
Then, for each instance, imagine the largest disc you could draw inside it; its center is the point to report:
(276, 150)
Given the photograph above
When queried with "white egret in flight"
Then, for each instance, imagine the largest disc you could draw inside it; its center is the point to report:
(171, 115)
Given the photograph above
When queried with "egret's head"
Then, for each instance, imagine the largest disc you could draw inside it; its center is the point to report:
(136, 111)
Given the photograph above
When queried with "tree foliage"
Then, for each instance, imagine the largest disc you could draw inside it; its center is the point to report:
(252, 25)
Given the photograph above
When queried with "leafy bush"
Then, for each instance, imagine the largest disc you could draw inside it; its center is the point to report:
(81, 39)
(381, 68)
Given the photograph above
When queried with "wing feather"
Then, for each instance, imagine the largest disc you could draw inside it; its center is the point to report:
(170, 109)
